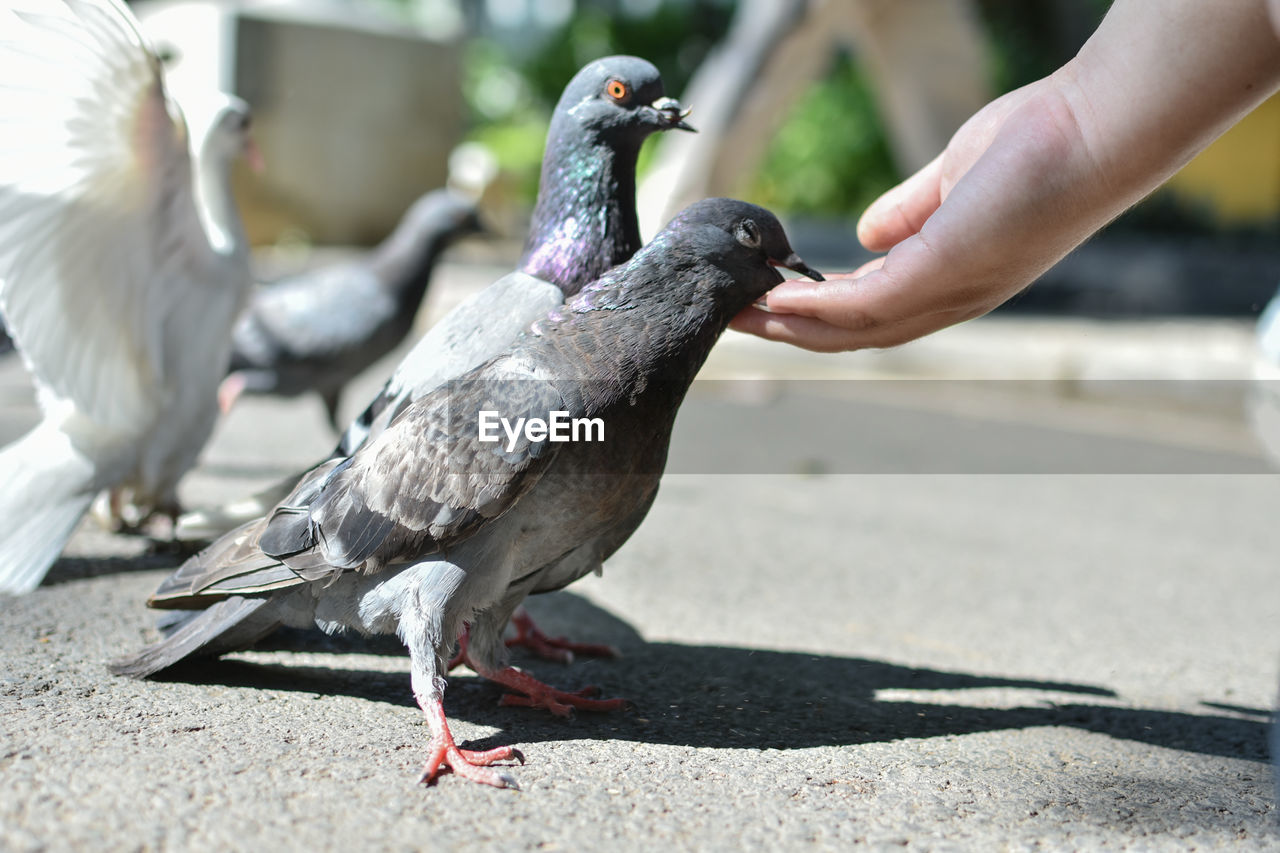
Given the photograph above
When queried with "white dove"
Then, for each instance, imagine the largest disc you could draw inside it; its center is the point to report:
(123, 264)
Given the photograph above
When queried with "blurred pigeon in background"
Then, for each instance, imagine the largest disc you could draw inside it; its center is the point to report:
(123, 265)
(318, 330)
(584, 222)
(428, 527)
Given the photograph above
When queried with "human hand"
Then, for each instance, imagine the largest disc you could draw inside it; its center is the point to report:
(1037, 171)
(1003, 203)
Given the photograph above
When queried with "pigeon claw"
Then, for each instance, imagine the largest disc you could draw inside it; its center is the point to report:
(444, 755)
(470, 764)
(532, 693)
(558, 649)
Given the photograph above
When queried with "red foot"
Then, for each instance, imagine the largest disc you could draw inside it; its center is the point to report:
(558, 649)
(536, 694)
(559, 702)
(229, 391)
(468, 763)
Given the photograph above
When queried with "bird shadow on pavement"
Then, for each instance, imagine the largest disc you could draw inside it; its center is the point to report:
(731, 697)
(146, 553)
(70, 569)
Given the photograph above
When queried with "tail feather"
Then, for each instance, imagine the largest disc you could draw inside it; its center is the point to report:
(45, 488)
(226, 625)
(232, 565)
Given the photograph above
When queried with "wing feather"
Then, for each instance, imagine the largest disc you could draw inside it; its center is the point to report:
(232, 565)
(479, 329)
(424, 484)
(97, 204)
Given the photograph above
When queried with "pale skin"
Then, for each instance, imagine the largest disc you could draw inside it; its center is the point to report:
(1036, 172)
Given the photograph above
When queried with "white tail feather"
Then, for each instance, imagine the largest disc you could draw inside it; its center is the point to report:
(47, 486)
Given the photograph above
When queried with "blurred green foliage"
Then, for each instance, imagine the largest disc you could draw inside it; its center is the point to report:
(507, 117)
(674, 36)
(804, 173)
(1027, 41)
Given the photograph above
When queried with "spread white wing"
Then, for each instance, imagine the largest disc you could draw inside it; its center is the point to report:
(98, 229)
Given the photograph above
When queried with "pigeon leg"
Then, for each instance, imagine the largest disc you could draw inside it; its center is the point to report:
(470, 764)
(461, 657)
(559, 649)
(112, 517)
(162, 521)
(532, 693)
(230, 390)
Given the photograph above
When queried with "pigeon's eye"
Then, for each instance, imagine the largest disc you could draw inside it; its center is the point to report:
(617, 90)
(749, 234)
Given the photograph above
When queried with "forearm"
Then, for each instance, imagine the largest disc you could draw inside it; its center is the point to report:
(1160, 79)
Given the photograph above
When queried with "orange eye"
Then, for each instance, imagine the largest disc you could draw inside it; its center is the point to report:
(617, 90)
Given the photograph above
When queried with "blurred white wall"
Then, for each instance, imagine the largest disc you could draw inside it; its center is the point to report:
(355, 114)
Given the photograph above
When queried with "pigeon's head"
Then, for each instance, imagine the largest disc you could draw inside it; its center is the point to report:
(620, 99)
(743, 239)
(444, 213)
(219, 127)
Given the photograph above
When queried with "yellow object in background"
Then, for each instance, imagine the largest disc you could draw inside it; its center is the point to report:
(1237, 178)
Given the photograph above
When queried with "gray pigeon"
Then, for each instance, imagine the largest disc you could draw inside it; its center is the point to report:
(428, 528)
(318, 330)
(584, 222)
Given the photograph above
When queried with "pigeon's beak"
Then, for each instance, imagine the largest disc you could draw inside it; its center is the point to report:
(673, 114)
(795, 264)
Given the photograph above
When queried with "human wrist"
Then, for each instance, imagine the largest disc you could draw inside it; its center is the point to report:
(1161, 79)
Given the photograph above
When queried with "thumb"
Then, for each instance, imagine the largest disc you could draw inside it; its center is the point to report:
(901, 211)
